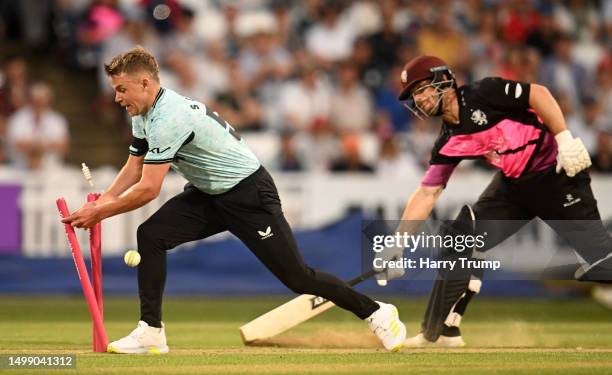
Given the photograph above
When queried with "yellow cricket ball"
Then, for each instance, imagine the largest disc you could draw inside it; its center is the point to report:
(131, 258)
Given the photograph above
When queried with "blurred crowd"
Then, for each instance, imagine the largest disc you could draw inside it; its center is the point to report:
(321, 77)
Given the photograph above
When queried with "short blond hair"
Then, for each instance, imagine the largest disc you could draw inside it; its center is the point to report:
(138, 59)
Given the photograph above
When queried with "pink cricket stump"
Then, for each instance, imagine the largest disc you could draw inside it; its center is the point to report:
(88, 291)
(95, 246)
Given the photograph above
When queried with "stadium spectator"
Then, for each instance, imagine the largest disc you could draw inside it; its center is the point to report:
(561, 44)
(370, 75)
(305, 102)
(575, 121)
(394, 163)
(37, 135)
(216, 65)
(350, 159)
(561, 73)
(101, 21)
(443, 38)
(183, 39)
(519, 18)
(351, 104)
(421, 138)
(385, 42)
(604, 88)
(485, 48)
(15, 85)
(330, 39)
(265, 64)
(602, 160)
(589, 126)
(237, 103)
(289, 158)
(387, 107)
(543, 37)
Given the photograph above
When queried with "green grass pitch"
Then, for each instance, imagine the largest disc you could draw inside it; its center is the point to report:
(519, 336)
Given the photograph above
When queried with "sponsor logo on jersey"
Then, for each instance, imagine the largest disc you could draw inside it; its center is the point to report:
(157, 150)
(570, 200)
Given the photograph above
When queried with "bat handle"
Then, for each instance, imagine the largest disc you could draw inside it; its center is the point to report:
(362, 277)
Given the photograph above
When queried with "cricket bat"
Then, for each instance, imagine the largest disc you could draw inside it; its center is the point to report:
(290, 314)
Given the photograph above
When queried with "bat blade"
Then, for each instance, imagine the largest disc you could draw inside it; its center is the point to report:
(290, 314)
(284, 317)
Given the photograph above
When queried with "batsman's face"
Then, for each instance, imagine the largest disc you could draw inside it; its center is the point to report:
(131, 92)
(426, 98)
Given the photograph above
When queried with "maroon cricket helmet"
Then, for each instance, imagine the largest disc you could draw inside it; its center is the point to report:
(421, 68)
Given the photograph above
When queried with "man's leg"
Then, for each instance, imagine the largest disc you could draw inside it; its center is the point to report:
(253, 213)
(569, 207)
(184, 218)
(453, 291)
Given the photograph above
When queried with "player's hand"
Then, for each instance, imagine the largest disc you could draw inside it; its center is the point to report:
(572, 156)
(85, 217)
(388, 273)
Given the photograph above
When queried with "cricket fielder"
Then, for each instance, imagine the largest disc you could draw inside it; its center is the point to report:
(519, 129)
(228, 190)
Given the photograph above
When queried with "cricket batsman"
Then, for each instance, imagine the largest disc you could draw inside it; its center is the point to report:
(519, 129)
(228, 190)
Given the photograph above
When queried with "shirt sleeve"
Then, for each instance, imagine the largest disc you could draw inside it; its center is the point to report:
(139, 145)
(503, 94)
(441, 167)
(438, 174)
(165, 141)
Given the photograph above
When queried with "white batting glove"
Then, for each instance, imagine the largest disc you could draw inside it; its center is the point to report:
(387, 273)
(572, 156)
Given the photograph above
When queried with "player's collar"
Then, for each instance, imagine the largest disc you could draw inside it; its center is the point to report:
(159, 95)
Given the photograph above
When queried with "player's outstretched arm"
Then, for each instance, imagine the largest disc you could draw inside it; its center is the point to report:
(130, 174)
(421, 202)
(144, 191)
(419, 206)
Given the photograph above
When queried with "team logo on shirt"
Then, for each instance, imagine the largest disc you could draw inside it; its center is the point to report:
(479, 117)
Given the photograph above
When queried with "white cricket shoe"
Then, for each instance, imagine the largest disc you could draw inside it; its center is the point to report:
(142, 340)
(419, 341)
(385, 323)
